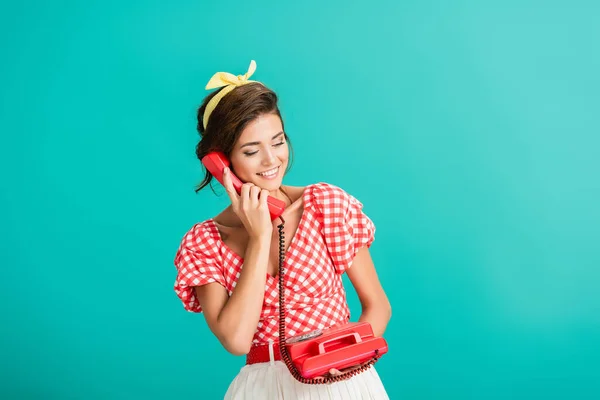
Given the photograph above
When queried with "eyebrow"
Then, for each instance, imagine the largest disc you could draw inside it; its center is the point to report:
(255, 143)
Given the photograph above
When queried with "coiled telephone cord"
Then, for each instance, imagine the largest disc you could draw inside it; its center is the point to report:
(285, 356)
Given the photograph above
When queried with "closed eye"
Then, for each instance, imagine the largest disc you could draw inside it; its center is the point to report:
(254, 152)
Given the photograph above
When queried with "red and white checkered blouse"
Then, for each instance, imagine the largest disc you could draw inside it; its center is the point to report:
(331, 230)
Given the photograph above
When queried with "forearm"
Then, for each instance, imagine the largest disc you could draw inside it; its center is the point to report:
(378, 315)
(239, 317)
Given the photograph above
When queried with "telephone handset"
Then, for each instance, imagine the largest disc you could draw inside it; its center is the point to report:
(216, 161)
(313, 354)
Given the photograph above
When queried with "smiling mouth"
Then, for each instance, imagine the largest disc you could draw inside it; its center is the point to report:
(270, 173)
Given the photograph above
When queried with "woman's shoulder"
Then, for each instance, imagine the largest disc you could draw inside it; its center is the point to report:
(326, 196)
(200, 235)
(324, 188)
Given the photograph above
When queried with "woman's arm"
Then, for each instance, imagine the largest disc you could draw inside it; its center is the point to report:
(234, 319)
(376, 308)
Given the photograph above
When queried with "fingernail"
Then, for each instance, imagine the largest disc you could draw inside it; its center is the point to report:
(226, 170)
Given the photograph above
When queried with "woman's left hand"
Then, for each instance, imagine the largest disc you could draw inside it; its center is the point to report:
(336, 372)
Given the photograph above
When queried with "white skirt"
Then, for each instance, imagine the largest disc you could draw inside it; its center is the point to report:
(272, 381)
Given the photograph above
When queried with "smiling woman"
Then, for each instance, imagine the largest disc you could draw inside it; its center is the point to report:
(272, 161)
(228, 265)
(246, 122)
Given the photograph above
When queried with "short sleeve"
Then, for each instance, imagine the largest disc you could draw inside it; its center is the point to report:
(197, 264)
(346, 228)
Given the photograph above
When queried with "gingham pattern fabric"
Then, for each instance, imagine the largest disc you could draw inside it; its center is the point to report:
(331, 230)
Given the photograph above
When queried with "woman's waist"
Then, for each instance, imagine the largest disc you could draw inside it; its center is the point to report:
(269, 349)
(299, 322)
(302, 303)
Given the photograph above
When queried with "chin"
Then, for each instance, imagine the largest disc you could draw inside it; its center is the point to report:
(270, 186)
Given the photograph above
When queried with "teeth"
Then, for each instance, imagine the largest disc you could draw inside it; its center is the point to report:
(270, 172)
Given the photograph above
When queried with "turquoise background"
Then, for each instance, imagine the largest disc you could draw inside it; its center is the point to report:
(469, 130)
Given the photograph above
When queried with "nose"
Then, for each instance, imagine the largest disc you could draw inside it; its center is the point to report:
(268, 158)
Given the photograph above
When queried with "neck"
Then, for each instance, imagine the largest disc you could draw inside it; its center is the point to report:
(282, 195)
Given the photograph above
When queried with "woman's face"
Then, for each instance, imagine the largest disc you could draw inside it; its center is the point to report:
(260, 155)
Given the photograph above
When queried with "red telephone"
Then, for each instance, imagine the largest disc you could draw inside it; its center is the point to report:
(215, 162)
(338, 347)
(312, 354)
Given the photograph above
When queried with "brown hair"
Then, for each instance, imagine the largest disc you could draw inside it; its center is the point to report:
(227, 121)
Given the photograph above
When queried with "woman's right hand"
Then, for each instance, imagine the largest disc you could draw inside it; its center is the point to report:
(250, 206)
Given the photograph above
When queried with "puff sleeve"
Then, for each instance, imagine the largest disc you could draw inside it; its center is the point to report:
(346, 228)
(197, 264)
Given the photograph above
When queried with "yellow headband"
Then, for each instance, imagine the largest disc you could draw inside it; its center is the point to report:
(230, 82)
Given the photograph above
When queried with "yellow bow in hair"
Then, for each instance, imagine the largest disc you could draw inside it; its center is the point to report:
(230, 82)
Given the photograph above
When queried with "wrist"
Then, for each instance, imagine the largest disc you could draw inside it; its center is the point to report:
(261, 239)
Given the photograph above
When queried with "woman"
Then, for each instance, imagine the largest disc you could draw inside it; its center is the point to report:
(227, 265)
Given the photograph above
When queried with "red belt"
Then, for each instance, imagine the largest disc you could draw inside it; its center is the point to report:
(260, 354)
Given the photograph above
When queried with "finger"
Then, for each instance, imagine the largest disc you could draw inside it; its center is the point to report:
(245, 194)
(254, 193)
(264, 196)
(228, 184)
